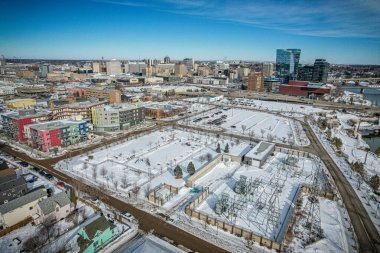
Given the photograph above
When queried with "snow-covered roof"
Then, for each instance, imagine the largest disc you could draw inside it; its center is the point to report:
(260, 150)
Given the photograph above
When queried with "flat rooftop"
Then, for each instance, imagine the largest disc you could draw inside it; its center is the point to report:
(46, 126)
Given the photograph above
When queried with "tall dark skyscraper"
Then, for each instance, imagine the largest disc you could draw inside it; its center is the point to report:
(321, 70)
(287, 61)
(305, 73)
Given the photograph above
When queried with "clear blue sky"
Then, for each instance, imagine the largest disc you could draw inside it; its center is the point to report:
(340, 31)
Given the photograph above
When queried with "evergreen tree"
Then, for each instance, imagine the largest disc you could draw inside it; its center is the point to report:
(218, 148)
(226, 148)
(191, 168)
(374, 182)
(178, 172)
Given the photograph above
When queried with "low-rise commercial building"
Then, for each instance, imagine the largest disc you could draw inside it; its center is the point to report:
(259, 154)
(20, 103)
(304, 89)
(162, 110)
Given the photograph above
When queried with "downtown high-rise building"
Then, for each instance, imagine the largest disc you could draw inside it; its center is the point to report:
(268, 69)
(113, 67)
(287, 61)
(320, 70)
(167, 59)
(305, 73)
(189, 63)
(256, 82)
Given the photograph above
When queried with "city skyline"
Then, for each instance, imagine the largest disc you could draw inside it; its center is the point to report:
(203, 30)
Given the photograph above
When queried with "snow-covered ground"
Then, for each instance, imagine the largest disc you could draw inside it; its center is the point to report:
(336, 235)
(256, 209)
(257, 124)
(363, 191)
(147, 159)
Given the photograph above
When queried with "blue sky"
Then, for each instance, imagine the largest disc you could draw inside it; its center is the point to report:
(340, 31)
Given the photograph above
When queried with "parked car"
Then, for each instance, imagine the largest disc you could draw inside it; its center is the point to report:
(129, 217)
(42, 173)
(49, 176)
(24, 164)
(62, 184)
(36, 169)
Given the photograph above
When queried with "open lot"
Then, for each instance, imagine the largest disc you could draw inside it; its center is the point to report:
(257, 124)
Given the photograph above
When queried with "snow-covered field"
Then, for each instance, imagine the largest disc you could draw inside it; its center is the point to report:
(274, 189)
(147, 159)
(253, 123)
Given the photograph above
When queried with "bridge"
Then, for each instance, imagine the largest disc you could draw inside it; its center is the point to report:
(356, 80)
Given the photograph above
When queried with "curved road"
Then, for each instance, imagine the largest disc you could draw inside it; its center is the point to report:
(365, 230)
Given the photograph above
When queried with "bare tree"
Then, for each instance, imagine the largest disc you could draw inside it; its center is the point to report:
(124, 181)
(147, 190)
(112, 175)
(262, 132)
(270, 137)
(147, 161)
(243, 127)
(103, 171)
(209, 157)
(85, 166)
(136, 190)
(133, 152)
(115, 184)
(94, 172)
(48, 227)
(201, 159)
(32, 243)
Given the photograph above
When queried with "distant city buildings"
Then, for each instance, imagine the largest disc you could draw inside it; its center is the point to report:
(45, 69)
(287, 61)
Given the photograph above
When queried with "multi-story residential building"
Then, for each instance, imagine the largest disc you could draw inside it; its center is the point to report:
(80, 109)
(287, 61)
(256, 81)
(116, 117)
(60, 133)
(113, 96)
(96, 68)
(20, 103)
(160, 110)
(320, 70)
(13, 123)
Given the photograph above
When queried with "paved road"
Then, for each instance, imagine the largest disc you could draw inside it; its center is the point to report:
(365, 230)
(147, 221)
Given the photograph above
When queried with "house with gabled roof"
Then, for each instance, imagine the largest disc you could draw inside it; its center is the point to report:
(96, 235)
(21, 208)
(54, 208)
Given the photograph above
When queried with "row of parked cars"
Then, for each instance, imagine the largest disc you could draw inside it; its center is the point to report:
(42, 173)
